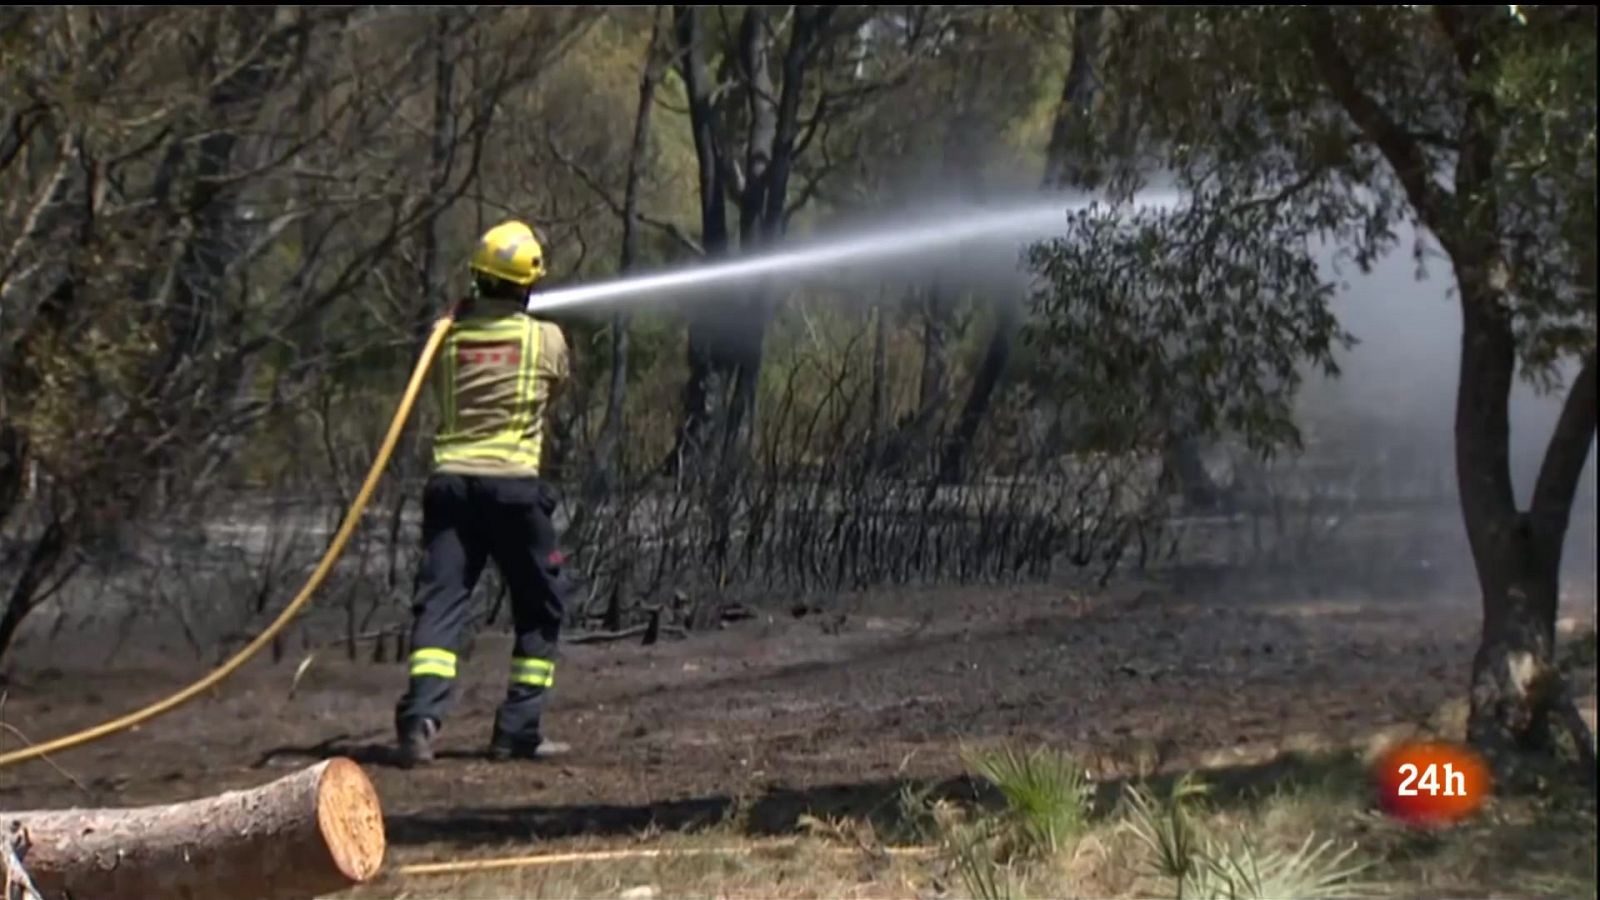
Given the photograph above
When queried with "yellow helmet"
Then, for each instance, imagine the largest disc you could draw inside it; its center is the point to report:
(510, 251)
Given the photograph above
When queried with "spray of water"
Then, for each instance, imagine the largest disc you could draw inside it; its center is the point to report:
(1030, 221)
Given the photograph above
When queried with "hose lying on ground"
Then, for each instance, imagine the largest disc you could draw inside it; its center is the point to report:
(464, 866)
(347, 528)
(329, 557)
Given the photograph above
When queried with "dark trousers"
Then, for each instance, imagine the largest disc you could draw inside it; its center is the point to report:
(466, 520)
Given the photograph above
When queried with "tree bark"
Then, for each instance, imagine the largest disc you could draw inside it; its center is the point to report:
(1063, 167)
(726, 344)
(13, 465)
(880, 381)
(1186, 471)
(996, 359)
(603, 474)
(311, 833)
(770, 146)
(706, 389)
(1515, 685)
(441, 157)
(49, 549)
(934, 384)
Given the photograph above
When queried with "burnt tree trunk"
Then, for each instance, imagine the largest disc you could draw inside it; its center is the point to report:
(49, 550)
(761, 149)
(1063, 168)
(1186, 471)
(603, 474)
(996, 358)
(934, 385)
(705, 389)
(880, 382)
(13, 464)
(314, 832)
(441, 160)
(726, 342)
(770, 148)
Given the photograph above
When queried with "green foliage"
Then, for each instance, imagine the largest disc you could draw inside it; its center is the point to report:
(1048, 795)
(1242, 870)
(1542, 80)
(1203, 865)
(1168, 324)
(1352, 122)
(1167, 829)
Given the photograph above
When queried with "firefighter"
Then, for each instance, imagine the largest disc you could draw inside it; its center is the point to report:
(484, 499)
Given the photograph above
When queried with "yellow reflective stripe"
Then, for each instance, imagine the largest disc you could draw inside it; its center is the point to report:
(433, 661)
(488, 331)
(530, 394)
(533, 672)
(524, 411)
(448, 385)
(498, 450)
(519, 443)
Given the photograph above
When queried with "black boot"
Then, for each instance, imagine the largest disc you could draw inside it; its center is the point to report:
(416, 742)
(504, 747)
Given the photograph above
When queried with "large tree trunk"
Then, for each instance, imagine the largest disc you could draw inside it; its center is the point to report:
(1185, 470)
(770, 146)
(934, 385)
(603, 475)
(440, 163)
(49, 549)
(726, 343)
(1063, 167)
(1515, 682)
(880, 381)
(13, 465)
(311, 833)
(709, 373)
(744, 336)
(996, 359)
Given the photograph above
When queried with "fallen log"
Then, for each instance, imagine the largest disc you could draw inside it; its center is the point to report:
(313, 832)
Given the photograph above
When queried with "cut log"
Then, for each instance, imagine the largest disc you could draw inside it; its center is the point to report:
(314, 832)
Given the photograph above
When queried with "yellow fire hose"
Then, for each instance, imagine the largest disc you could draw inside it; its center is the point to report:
(330, 556)
(347, 528)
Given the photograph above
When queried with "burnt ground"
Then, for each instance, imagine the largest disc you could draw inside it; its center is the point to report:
(779, 715)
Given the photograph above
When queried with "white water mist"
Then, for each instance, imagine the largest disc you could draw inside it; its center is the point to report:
(1032, 221)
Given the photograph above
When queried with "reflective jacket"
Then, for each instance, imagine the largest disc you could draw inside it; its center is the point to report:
(498, 370)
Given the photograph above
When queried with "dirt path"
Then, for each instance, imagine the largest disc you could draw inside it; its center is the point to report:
(781, 715)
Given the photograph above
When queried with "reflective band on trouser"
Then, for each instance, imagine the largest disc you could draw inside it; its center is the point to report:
(533, 672)
(433, 661)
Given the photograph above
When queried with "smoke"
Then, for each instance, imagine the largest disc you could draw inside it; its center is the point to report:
(1396, 394)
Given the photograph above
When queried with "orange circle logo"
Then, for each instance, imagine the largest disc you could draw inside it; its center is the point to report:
(1432, 783)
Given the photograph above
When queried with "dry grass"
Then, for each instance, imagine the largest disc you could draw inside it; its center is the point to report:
(692, 866)
(1525, 846)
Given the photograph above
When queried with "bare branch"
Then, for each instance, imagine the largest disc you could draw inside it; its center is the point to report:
(672, 229)
(1403, 153)
(1566, 454)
